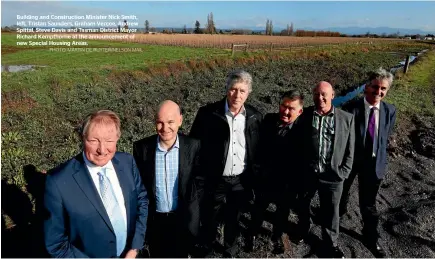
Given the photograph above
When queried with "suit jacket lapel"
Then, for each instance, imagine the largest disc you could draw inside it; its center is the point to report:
(123, 182)
(220, 110)
(181, 166)
(151, 152)
(362, 118)
(381, 130)
(85, 182)
(337, 128)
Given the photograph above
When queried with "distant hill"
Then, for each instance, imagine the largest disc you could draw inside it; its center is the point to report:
(371, 30)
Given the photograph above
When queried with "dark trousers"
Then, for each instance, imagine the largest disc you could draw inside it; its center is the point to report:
(329, 196)
(167, 238)
(368, 190)
(283, 197)
(228, 199)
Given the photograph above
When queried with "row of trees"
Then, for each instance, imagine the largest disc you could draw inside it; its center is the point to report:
(269, 27)
(210, 28)
(304, 33)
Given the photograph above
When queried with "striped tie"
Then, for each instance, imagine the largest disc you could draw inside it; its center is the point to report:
(113, 210)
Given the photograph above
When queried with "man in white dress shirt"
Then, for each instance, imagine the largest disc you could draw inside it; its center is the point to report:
(229, 135)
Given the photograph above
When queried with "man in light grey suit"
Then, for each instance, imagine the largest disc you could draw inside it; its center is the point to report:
(328, 151)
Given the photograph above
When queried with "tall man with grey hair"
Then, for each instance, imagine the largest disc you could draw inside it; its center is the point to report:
(229, 135)
(95, 204)
(328, 151)
(374, 122)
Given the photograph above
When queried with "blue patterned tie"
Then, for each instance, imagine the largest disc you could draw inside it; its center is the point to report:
(113, 210)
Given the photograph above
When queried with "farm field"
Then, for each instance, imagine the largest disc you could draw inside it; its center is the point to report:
(42, 109)
(254, 41)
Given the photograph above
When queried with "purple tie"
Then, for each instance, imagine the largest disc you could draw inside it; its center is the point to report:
(371, 125)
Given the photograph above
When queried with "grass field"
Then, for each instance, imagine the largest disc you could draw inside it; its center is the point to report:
(414, 93)
(146, 55)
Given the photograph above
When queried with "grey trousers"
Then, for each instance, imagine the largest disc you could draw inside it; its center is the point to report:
(329, 195)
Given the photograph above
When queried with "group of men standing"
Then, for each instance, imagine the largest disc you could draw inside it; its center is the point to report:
(173, 190)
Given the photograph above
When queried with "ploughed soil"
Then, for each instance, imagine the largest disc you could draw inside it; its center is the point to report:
(406, 204)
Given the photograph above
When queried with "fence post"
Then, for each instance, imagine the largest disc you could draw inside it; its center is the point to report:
(271, 45)
(405, 69)
(232, 46)
(246, 48)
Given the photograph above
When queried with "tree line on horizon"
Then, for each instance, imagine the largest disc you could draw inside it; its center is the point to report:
(210, 28)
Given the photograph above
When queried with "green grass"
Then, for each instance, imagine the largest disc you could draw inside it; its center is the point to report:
(148, 55)
(61, 61)
(414, 92)
(72, 68)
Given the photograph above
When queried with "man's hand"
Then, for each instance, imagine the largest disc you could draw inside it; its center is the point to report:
(132, 253)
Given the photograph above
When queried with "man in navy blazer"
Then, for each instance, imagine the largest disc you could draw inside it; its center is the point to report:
(374, 122)
(95, 204)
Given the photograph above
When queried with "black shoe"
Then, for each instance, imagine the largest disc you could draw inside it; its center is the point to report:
(377, 250)
(342, 212)
(231, 252)
(249, 243)
(336, 252)
(278, 247)
(299, 240)
(227, 254)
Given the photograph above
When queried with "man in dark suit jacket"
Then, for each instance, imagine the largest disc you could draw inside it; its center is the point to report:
(168, 163)
(229, 135)
(280, 148)
(95, 204)
(374, 122)
(328, 149)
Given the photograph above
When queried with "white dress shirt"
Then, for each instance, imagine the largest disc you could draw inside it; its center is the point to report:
(111, 174)
(367, 108)
(236, 157)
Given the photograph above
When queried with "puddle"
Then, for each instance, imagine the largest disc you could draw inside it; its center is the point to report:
(18, 68)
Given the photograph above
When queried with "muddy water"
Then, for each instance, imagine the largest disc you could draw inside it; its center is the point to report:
(17, 68)
(340, 100)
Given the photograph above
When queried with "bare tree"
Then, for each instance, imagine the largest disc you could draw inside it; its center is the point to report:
(147, 26)
(210, 27)
(267, 27)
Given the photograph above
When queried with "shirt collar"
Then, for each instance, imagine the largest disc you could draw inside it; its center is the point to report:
(368, 106)
(160, 148)
(331, 112)
(227, 109)
(94, 169)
